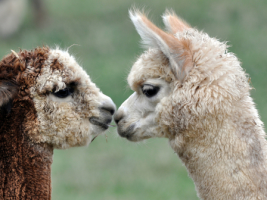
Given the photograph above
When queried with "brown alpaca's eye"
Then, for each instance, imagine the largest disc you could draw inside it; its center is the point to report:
(150, 90)
(64, 93)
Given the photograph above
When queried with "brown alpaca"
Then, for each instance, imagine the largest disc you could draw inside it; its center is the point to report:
(47, 101)
(190, 89)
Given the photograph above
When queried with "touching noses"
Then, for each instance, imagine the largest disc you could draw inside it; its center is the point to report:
(118, 116)
(108, 105)
(110, 108)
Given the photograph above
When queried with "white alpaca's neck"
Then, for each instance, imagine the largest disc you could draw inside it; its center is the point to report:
(227, 163)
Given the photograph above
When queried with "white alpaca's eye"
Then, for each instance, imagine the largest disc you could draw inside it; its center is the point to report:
(150, 90)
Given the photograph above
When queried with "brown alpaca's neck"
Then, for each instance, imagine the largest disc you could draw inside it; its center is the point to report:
(25, 168)
(227, 164)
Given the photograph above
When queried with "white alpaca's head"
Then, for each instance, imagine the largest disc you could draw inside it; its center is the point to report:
(67, 107)
(137, 116)
(182, 78)
(191, 90)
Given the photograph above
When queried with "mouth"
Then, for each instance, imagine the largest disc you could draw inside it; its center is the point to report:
(103, 125)
(93, 139)
(128, 133)
(97, 122)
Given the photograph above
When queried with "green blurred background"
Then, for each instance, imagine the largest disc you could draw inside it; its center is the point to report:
(112, 168)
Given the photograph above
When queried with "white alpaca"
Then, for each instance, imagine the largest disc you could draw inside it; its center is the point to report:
(191, 90)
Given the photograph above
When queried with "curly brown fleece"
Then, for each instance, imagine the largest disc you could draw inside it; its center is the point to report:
(24, 168)
(34, 121)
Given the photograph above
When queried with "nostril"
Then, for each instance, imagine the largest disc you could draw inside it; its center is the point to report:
(116, 121)
(111, 110)
(118, 117)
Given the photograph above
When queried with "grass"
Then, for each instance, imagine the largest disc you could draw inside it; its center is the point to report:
(107, 47)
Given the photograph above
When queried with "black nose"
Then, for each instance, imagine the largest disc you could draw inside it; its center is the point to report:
(109, 109)
(118, 116)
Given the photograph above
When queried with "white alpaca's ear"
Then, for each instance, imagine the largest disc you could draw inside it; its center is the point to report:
(173, 23)
(153, 37)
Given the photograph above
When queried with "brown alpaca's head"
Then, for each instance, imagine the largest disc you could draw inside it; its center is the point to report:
(62, 107)
(182, 82)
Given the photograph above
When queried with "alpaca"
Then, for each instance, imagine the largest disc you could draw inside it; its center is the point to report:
(39, 12)
(11, 16)
(190, 89)
(12, 13)
(47, 101)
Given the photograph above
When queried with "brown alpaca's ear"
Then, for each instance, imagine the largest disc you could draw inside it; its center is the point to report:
(177, 51)
(8, 90)
(173, 23)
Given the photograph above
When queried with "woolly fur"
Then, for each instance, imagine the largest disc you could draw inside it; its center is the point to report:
(209, 117)
(67, 122)
(34, 121)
